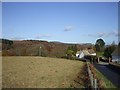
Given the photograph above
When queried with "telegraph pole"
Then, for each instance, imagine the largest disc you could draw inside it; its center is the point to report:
(40, 51)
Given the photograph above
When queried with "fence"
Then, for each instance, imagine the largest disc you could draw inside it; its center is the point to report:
(93, 81)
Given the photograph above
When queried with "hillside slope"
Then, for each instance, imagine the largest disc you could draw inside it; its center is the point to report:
(32, 48)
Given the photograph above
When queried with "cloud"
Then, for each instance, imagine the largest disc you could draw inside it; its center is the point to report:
(91, 35)
(101, 34)
(68, 28)
(42, 36)
(113, 33)
(105, 34)
(97, 35)
(116, 33)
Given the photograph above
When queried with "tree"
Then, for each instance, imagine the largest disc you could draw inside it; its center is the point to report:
(69, 53)
(75, 48)
(99, 45)
(94, 48)
(97, 48)
(108, 51)
(113, 43)
(6, 44)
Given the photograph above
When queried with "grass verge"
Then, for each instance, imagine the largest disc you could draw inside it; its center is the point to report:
(106, 83)
(103, 81)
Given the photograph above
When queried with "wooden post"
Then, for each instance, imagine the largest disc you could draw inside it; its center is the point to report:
(98, 59)
(40, 51)
(109, 59)
(92, 80)
(95, 84)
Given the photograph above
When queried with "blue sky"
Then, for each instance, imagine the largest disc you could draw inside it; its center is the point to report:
(64, 22)
(0, 19)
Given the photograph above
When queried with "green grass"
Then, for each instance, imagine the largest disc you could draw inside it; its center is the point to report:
(100, 53)
(106, 83)
(38, 72)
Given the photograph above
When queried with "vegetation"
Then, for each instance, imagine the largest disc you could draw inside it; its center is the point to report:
(6, 44)
(48, 49)
(103, 81)
(5, 41)
(103, 51)
(99, 45)
(69, 54)
(99, 53)
(71, 51)
(38, 72)
(82, 78)
(108, 51)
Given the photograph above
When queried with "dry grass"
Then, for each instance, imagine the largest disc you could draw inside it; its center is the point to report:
(38, 72)
(0, 72)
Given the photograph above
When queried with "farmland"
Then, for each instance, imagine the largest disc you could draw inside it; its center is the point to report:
(38, 72)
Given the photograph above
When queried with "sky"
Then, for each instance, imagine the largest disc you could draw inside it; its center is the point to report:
(0, 19)
(69, 22)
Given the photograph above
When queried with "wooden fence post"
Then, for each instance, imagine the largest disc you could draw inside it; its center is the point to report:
(95, 84)
(92, 80)
(98, 59)
(109, 59)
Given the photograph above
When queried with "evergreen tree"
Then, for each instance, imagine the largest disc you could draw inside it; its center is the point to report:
(99, 45)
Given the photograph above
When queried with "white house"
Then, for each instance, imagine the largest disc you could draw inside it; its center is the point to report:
(92, 52)
(77, 53)
(83, 53)
(116, 55)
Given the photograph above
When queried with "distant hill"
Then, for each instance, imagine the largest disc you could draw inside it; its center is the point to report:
(32, 48)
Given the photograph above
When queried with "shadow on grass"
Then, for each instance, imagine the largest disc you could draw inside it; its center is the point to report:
(82, 79)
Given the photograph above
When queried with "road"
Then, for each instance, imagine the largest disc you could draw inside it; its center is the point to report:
(113, 76)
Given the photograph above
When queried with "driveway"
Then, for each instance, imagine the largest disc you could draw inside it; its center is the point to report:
(113, 76)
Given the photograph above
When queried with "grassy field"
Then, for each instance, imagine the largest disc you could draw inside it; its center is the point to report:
(38, 72)
(0, 72)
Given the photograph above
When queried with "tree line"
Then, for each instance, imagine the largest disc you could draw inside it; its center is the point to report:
(102, 50)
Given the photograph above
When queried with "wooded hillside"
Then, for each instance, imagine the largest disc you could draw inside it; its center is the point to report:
(32, 48)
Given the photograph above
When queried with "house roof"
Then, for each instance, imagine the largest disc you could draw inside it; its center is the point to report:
(91, 51)
(78, 52)
(85, 52)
